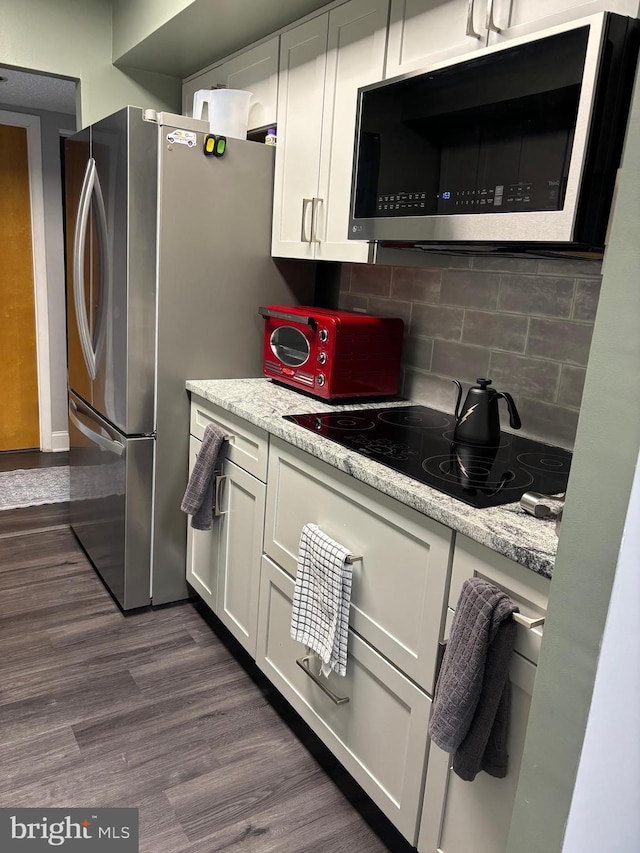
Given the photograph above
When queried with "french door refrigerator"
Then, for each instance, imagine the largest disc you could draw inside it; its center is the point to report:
(168, 260)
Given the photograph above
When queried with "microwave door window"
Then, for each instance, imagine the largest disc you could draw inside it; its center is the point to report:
(290, 346)
(442, 144)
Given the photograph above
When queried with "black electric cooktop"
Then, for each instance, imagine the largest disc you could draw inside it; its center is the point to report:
(418, 441)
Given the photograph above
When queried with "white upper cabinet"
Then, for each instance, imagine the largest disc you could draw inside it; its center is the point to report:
(424, 32)
(322, 63)
(513, 18)
(255, 70)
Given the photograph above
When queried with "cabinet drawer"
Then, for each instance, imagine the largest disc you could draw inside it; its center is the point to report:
(459, 816)
(527, 589)
(379, 735)
(398, 586)
(248, 445)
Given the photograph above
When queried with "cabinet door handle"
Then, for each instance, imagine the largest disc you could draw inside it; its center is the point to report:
(303, 234)
(316, 202)
(470, 31)
(303, 663)
(216, 498)
(491, 25)
(442, 646)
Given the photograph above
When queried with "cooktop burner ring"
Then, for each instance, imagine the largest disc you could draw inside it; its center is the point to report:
(409, 418)
(477, 475)
(549, 462)
(343, 421)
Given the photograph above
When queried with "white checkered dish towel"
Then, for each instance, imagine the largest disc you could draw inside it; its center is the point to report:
(321, 599)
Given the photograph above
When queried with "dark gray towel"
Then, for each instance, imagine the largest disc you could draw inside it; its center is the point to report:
(198, 497)
(471, 703)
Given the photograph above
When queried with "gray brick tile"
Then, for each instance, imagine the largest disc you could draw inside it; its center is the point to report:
(518, 375)
(558, 340)
(435, 321)
(429, 390)
(416, 285)
(459, 361)
(390, 308)
(418, 351)
(470, 289)
(586, 301)
(345, 278)
(569, 266)
(536, 295)
(571, 385)
(548, 422)
(495, 331)
(370, 280)
(352, 302)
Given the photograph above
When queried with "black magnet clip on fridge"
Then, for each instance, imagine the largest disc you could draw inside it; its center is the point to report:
(214, 146)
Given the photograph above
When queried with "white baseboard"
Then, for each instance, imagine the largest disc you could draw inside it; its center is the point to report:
(59, 441)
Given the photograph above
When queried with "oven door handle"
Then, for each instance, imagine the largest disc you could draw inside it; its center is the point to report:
(292, 318)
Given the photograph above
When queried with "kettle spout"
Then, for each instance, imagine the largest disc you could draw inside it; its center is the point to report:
(456, 412)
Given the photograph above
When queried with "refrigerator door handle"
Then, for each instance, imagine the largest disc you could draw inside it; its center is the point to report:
(78, 268)
(102, 441)
(104, 291)
(91, 188)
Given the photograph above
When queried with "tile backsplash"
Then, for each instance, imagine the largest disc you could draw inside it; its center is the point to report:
(524, 323)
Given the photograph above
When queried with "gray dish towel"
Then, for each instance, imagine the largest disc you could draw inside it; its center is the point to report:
(321, 599)
(472, 696)
(198, 497)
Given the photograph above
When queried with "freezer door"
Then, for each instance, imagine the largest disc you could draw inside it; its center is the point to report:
(110, 502)
(124, 150)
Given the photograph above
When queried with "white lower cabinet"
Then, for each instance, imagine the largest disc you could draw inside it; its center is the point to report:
(406, 584)
(475, 817)
(379, 734)
(223, 564)
(400, 583)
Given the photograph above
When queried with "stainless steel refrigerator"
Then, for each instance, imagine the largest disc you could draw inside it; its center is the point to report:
(168, 260)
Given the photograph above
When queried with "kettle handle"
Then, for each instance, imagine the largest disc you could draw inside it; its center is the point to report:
(514, 417)
(457, 409)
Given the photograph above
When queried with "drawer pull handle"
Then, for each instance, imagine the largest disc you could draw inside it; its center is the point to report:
(303, 663)
(216, 500)
(527, 621)
(354, 558)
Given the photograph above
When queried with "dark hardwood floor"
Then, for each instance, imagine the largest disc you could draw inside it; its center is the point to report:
(32, 518)
(14, 460)
(157, 710)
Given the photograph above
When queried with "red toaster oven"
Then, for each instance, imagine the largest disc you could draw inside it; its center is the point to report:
(332, 354)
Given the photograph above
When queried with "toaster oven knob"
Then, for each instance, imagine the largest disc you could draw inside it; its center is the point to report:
(323, 335)
(322, 357)
(320, 380)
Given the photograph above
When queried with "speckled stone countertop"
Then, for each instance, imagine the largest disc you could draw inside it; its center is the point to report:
(507, 529)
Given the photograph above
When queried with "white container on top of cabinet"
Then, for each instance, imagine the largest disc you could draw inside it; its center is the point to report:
(255, 69)
(424, 32)
(322, 63)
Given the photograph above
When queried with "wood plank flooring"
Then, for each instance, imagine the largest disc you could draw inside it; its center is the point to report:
(159, 711)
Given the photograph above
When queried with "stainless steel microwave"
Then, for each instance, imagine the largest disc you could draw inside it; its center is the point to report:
(517, 144)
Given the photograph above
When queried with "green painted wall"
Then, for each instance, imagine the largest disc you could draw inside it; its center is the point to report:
(135, 20)
(597, 499)
(73, 38)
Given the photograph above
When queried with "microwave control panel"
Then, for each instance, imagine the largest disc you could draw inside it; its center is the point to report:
(501, 198)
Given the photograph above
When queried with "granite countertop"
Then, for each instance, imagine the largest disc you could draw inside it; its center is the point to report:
(507, 529)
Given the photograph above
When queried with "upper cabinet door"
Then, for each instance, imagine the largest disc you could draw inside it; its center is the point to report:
(422, 32)
(355, 57)
(512, 18)
(255, 70)
(300, 102)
